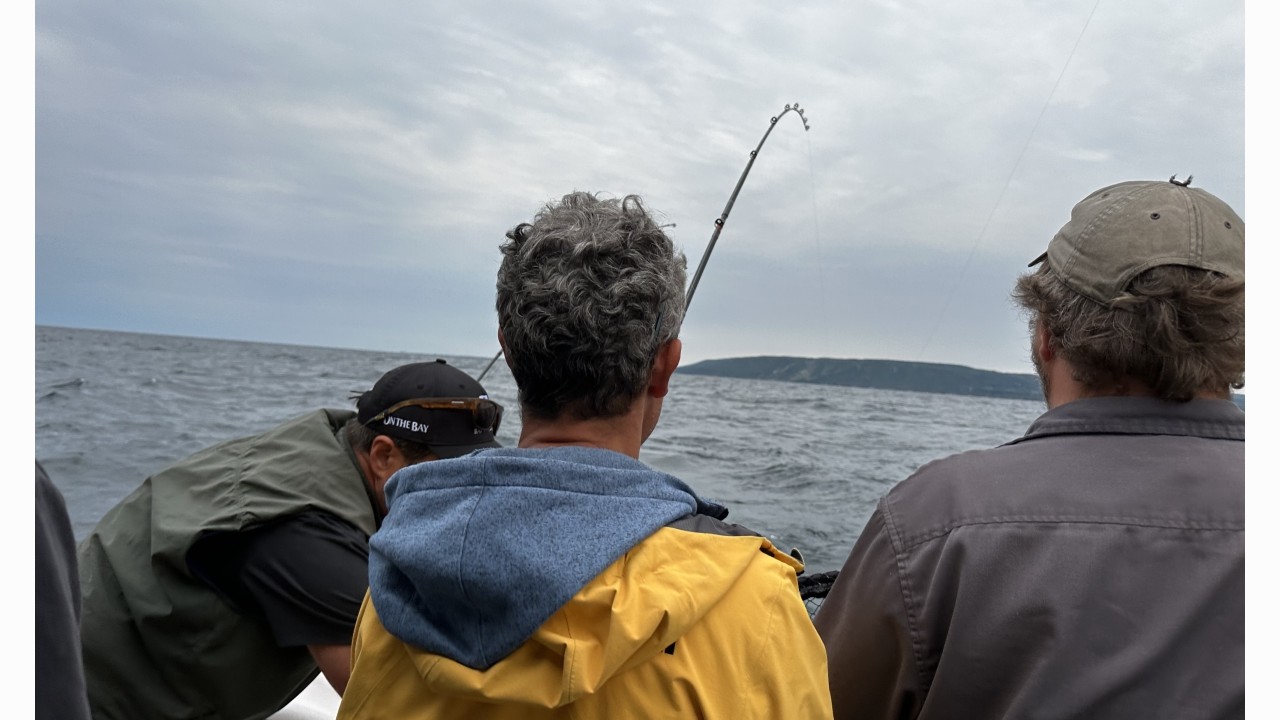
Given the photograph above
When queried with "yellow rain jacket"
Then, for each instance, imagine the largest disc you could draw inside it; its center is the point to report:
(697, 619)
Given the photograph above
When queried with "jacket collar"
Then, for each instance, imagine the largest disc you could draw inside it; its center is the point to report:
(1212, 419)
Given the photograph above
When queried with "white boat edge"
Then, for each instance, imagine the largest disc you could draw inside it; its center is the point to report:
(317, 701)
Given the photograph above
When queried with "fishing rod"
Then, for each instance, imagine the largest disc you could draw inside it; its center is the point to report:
(490, 365)
(715, 235)
(773, 122)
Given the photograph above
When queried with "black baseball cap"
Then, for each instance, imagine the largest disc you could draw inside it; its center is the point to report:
(432, 404)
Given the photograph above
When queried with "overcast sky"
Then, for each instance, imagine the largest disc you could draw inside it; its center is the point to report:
(341, 174)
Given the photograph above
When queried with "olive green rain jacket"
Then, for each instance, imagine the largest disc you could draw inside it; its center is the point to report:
(158, 642)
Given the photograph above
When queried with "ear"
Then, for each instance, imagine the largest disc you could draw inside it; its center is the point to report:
(1044, 343)
(384, 460)
(664, 365)
(502, 343)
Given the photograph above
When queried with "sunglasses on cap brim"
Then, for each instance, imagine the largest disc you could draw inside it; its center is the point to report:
(486, 413)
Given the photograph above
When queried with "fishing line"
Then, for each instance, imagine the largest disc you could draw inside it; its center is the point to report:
(817, 243)
(1007, 181)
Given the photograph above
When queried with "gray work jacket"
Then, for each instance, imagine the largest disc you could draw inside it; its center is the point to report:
(1093, 568)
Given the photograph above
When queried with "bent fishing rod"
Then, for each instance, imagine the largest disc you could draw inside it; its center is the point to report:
(706, 255)
(715, 235)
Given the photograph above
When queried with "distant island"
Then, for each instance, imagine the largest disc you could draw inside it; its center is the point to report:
(881, 375)
(878, 374)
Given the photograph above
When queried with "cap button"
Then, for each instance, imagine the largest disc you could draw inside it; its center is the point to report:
(441, 361)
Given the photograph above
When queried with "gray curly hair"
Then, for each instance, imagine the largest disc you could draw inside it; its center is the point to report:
(587, 293)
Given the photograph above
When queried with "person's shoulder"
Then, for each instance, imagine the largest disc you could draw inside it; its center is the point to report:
(959, 489)
(48, 496)
(307, 424)
(332, 417)
(709, 525)
(940, 475)
(337, 418)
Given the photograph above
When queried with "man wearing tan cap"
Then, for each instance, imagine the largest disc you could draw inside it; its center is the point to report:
(1094, 567)
(227, 581)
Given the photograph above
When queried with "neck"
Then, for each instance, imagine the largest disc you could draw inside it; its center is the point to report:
(623, 433)
(1061, 387)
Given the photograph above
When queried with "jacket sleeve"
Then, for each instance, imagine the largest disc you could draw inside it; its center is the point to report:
(59, 667)
(867, 624)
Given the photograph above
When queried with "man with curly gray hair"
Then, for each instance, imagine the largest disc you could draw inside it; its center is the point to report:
(565, 578)
(590, 296)
(1093, 567)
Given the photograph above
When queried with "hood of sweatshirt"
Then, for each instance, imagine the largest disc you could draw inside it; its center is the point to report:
(700, 619)
(477, 552)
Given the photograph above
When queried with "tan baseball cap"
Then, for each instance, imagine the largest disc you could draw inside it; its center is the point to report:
(1124, 229)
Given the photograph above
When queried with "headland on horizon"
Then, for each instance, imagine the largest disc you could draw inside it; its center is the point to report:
(881, 375)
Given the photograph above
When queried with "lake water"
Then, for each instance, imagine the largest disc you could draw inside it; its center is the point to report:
(802, 464)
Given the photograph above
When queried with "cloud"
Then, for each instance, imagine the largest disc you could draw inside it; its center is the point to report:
(201, 161)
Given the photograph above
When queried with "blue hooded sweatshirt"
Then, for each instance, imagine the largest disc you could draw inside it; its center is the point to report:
(477, 552)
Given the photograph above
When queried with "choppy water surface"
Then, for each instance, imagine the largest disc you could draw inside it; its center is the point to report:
(803, 464)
